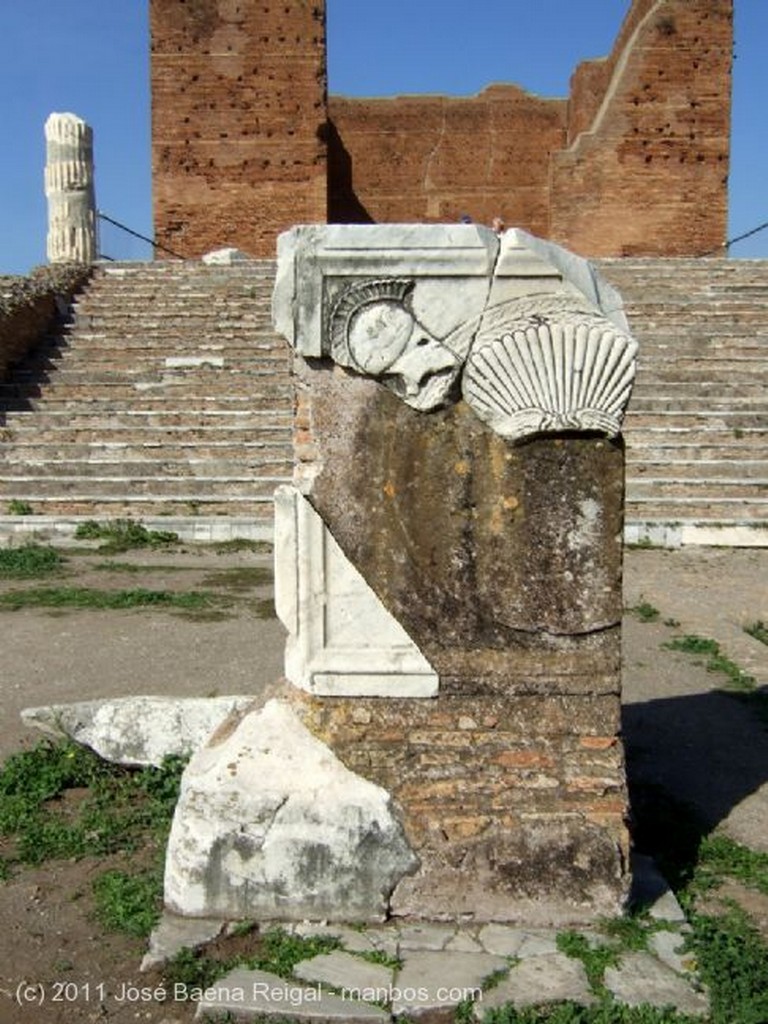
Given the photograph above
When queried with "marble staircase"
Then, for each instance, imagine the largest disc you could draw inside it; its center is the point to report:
(167, 398)
(697, 426)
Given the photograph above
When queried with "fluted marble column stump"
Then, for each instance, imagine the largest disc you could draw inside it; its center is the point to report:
(69, 190)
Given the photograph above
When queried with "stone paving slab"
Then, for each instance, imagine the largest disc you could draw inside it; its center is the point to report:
(547, 977)
(247, 994)
(641, 978)
(430, 980)
(345, 971)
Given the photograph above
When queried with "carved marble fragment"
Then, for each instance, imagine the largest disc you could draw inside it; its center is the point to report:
(539, 343)
(69, 190)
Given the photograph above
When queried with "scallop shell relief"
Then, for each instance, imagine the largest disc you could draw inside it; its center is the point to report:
(573, 371)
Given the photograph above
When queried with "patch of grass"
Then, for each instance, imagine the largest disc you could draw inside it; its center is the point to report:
(645, 612)
(15, 507)
(264, 609)
(594, 958)
(134, 567)
(738, 679)
(275, 951)
(62, 800)
(29, 561)
(573, 1013)
(690, 644)
(629, 932)
(378, 956)
(732, 960)
(243, 578)
(642, 544)
(731, 955)
(86, 597)
(721, 857)
(758, 631)
(129, 903)
(230, 547)
(124, 535)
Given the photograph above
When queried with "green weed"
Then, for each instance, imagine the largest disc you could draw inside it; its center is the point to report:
(15, 507)
(378, 956)
(721, 857)
(123, 535)
(738, 679)
(229, 547)
(641, 544)
(86, 597)
(29, 561)
(645, 612)
(62, 800)
(264, 609)
(594, 958)
(275, 951)
(243, 578)
(573, 1013)
(758, 630)
(129, 903)
(732, 960)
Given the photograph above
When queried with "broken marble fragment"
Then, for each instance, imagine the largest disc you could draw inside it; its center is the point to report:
(270, 824)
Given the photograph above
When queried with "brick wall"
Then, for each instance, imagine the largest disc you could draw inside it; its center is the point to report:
(430, 159)
(634, 162)
(238, 109)
(646, 170)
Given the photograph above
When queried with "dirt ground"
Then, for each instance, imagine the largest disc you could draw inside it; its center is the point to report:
(680, 731)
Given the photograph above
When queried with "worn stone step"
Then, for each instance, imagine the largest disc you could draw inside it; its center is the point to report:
(695, 488)
(686, 404)
(248, 467)
(739, 469)
(142, 506)
(34, 450)
(696, 509)
(660, 450)
(179, 488)
(141, 434)
(723, 418)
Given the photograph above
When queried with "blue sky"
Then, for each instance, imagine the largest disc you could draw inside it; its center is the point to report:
(91, 57)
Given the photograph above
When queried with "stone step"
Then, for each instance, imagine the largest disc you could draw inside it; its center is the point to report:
(697, 508)
(35, 451)
(160, 418)
(140, 506)
(725, 419)
(686, 404)
(142, 434)
(659, 450)
(248, 467)
(97, 405)
(744, 469)
(32, 488)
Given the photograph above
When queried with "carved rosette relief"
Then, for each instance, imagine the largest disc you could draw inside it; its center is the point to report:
(541, 364)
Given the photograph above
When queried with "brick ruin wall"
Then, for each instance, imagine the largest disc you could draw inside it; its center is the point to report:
(238, 115)
(635, 162)
(246, 142)
(435, 158)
